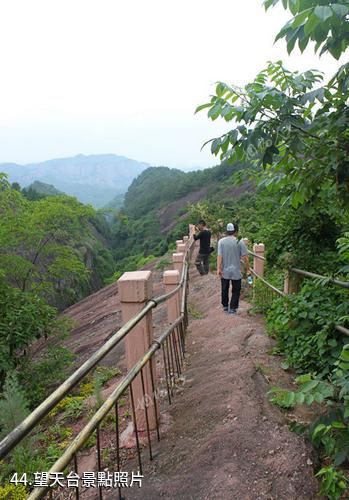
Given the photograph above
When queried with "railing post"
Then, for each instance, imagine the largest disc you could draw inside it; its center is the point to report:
(178, 262)
(186, 241)
(292, 282)
(191, 230)
(135, 289)
(178, 242)
(258, 264)
(181, 248)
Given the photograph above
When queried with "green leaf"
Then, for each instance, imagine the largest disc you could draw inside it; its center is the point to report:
(302, 379)
(338, 425)
(323, 12)
(300, 398)
(215, 111)
(335, 49)
(319, 398)
(309, 399)
(344, 355)
(215, 146)
(318, 429)
(301, 18)
(202, 106)
(311, 24)
(310, 385)
(220, 89)
(340, 457)
(289, 399)
(294, 6)
(340, 9)
(302, 43)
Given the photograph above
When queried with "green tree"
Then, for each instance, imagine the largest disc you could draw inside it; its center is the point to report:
(323, 22)
(292, 130)
(24, 317)
(37, 241)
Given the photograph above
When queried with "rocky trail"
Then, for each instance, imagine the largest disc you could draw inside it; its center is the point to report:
(220, 438)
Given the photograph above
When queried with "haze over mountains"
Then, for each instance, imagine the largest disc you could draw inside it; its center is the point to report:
(94, 179)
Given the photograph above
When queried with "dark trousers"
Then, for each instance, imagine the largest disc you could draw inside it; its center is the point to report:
(235, 295)
(202, 263)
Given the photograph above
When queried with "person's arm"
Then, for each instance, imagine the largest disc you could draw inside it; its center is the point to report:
(219, 261)
(197, 236)
(219, 266)
(245, 259)
(244, 256)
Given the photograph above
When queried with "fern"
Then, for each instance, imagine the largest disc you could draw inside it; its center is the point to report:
(13, 405)
(14, 409)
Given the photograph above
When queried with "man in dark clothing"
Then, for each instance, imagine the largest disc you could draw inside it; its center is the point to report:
(202, 259)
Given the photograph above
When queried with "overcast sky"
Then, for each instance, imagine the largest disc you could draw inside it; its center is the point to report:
(124, 76)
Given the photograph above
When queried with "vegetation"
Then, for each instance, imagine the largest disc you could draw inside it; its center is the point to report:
(283, 178)
(155, 210)
(53, 251)
(291, 130)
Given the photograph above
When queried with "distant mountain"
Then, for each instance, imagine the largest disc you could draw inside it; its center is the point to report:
(43, 188)
(94, 179)
(116, 203)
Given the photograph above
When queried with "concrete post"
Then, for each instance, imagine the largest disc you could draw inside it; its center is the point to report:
(136, 288)
(186, 241)
(181, 248)
(178, 242)
(171, 280)
(191, 230)
(258, 264)
(292, 282)
(178, 262)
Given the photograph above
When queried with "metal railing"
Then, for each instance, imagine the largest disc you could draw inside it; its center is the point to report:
(301, 272)
(173, 355)
(307, 274)
(172, 344)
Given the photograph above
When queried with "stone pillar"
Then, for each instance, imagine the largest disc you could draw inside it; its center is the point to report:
(171, 280)
(178, 262)
(258, 264)
(292, 283)
(135, 289)
(178, 242)
(186, 241)
(191, 230)
(181, 248)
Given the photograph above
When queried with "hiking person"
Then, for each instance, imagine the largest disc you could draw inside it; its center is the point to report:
(230, 253)
(202, 259)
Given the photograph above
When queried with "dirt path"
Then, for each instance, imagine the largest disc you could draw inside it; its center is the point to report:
(221, 438)
(226, 440)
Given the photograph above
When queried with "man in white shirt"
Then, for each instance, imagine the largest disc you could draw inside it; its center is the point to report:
(231, 252)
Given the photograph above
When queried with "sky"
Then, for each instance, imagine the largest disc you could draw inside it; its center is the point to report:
(125, 76)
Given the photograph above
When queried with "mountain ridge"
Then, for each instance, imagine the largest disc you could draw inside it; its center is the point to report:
(93, 179)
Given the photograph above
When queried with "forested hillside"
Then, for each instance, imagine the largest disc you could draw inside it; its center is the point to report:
(157, 209)
(53, 252)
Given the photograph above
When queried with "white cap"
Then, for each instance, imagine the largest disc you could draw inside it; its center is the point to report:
(230, 227)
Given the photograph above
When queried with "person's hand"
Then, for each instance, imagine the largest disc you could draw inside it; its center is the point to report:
(219, 273)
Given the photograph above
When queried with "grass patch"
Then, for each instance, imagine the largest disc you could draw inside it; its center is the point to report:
(194, 313)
